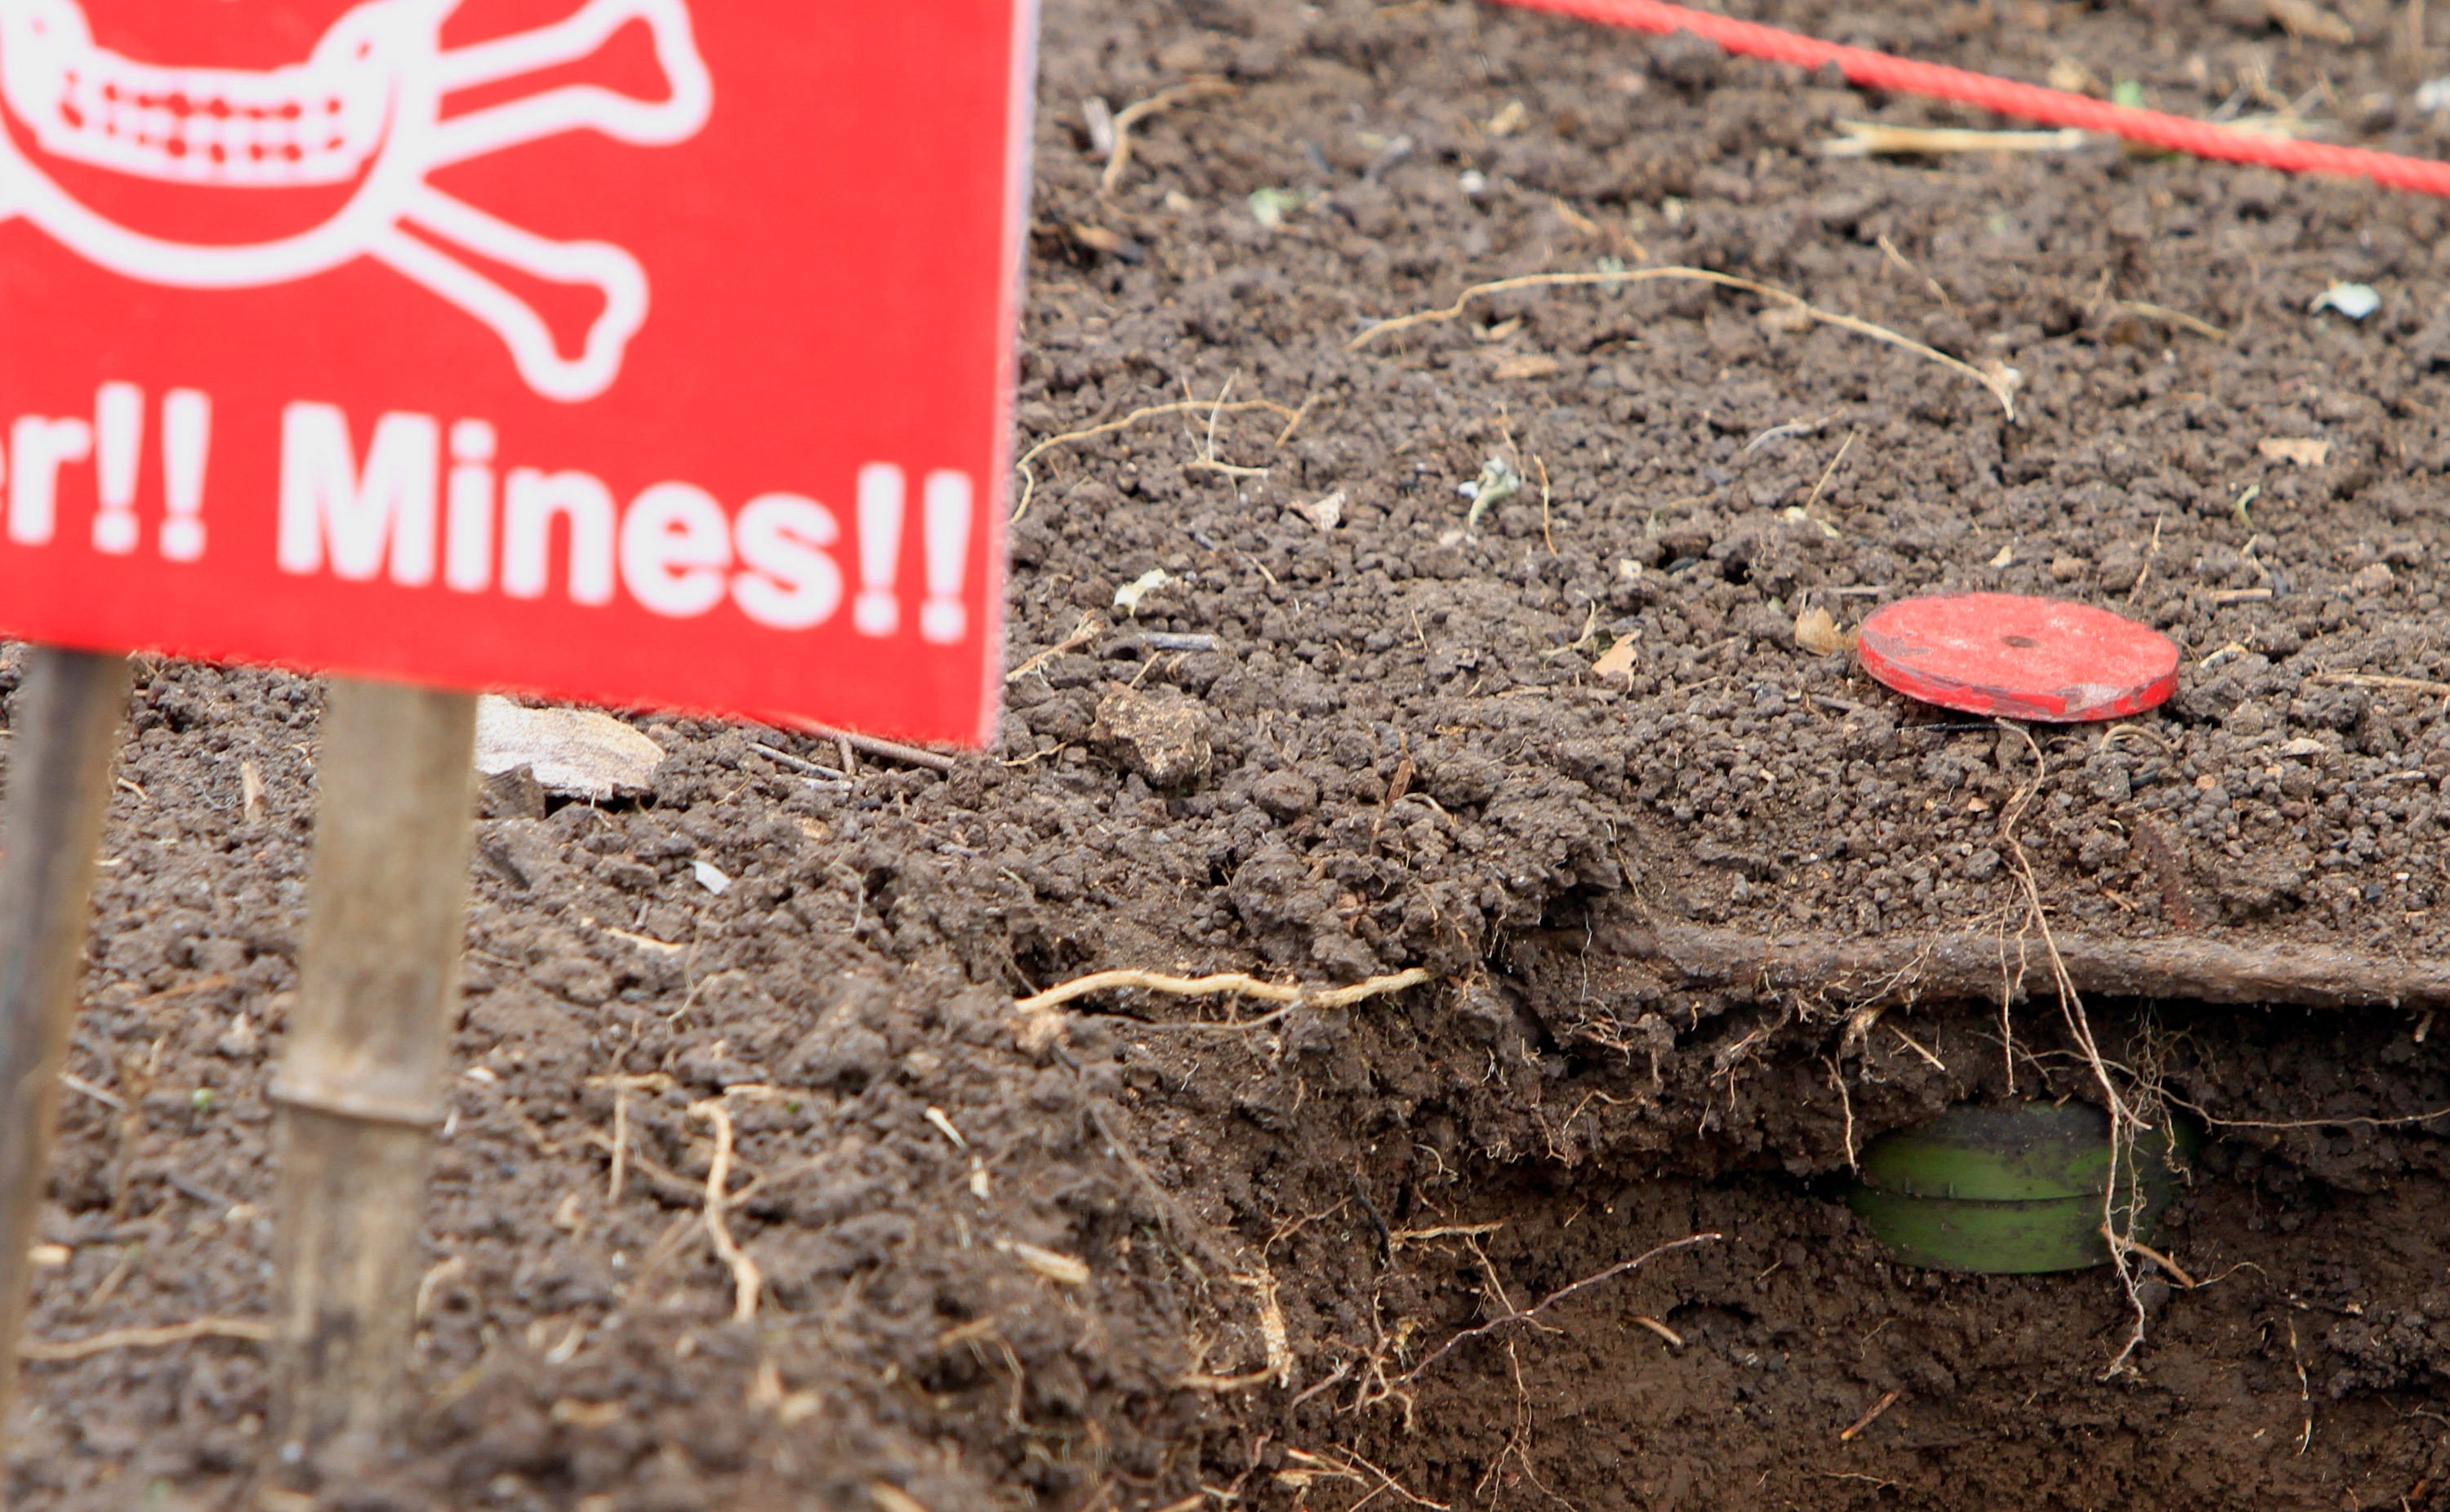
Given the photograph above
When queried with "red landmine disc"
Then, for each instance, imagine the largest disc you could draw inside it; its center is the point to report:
(2015, 657)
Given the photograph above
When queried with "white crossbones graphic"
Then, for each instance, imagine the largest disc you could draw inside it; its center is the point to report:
(366, 107)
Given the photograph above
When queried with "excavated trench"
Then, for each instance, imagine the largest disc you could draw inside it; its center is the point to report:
(2294, 1320)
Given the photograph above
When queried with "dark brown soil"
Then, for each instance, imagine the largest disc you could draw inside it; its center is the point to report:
(1398, 753)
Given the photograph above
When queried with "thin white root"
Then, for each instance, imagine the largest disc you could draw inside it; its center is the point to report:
(1999, 385)
(246, 1331)
(747, 1280)
(1207, 87)
(1029, 478)
(1232, 984)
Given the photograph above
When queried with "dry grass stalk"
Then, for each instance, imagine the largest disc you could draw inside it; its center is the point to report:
(1063, 1269)
(1870, 139)
(1090, 626)
(2177, 317)
(1999, 386)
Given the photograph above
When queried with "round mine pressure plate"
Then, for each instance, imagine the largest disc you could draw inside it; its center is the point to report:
(2010, 656)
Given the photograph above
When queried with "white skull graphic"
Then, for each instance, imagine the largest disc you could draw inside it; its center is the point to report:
(368, 108)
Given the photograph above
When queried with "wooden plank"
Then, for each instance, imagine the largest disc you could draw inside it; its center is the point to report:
(67, 722)
(361, 1083)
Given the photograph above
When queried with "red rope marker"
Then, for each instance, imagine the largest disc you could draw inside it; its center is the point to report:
(2031, 102)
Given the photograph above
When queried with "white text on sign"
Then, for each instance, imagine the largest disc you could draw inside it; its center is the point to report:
(422, 504)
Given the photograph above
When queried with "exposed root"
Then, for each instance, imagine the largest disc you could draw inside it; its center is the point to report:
(747, 1281)
(1849, 1434)
(1999, 386)
(1233, 983)
(1344, 1464)
(1846, 1105)
(2137, 1247)
(246, 1331)
(622, 1087)
(1533, 1312)
(2125, 1122)
(1210, 408)
(2346, 1121)
(1518, 1441)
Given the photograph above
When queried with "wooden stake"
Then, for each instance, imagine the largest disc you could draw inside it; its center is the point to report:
(361, 1083)
(59, 790)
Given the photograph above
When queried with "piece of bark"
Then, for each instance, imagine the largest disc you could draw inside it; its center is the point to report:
(1979, 966)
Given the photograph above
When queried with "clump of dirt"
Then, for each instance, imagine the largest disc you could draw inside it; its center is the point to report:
(1151, 1255)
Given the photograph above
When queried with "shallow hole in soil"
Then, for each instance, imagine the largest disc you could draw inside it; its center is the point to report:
(1793, 1362)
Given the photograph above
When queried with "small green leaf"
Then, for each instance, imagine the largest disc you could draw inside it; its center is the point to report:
(1271, 205)
(1497, 483)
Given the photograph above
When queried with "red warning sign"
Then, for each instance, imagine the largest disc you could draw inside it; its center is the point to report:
(634, 351)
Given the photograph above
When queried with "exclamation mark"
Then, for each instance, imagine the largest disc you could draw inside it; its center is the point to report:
(876, 612)
(943, 620)
(186, 442)
(119, 435)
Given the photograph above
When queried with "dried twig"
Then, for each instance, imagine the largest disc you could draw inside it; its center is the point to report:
(1527, 1314)
(747, 1281)
(1999, 387)
(1118, 161)
(246, 1331)
(888, 751)
(1232, 984)
(1869, 1418)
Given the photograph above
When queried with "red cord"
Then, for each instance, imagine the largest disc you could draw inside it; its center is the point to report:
(2057, 108)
